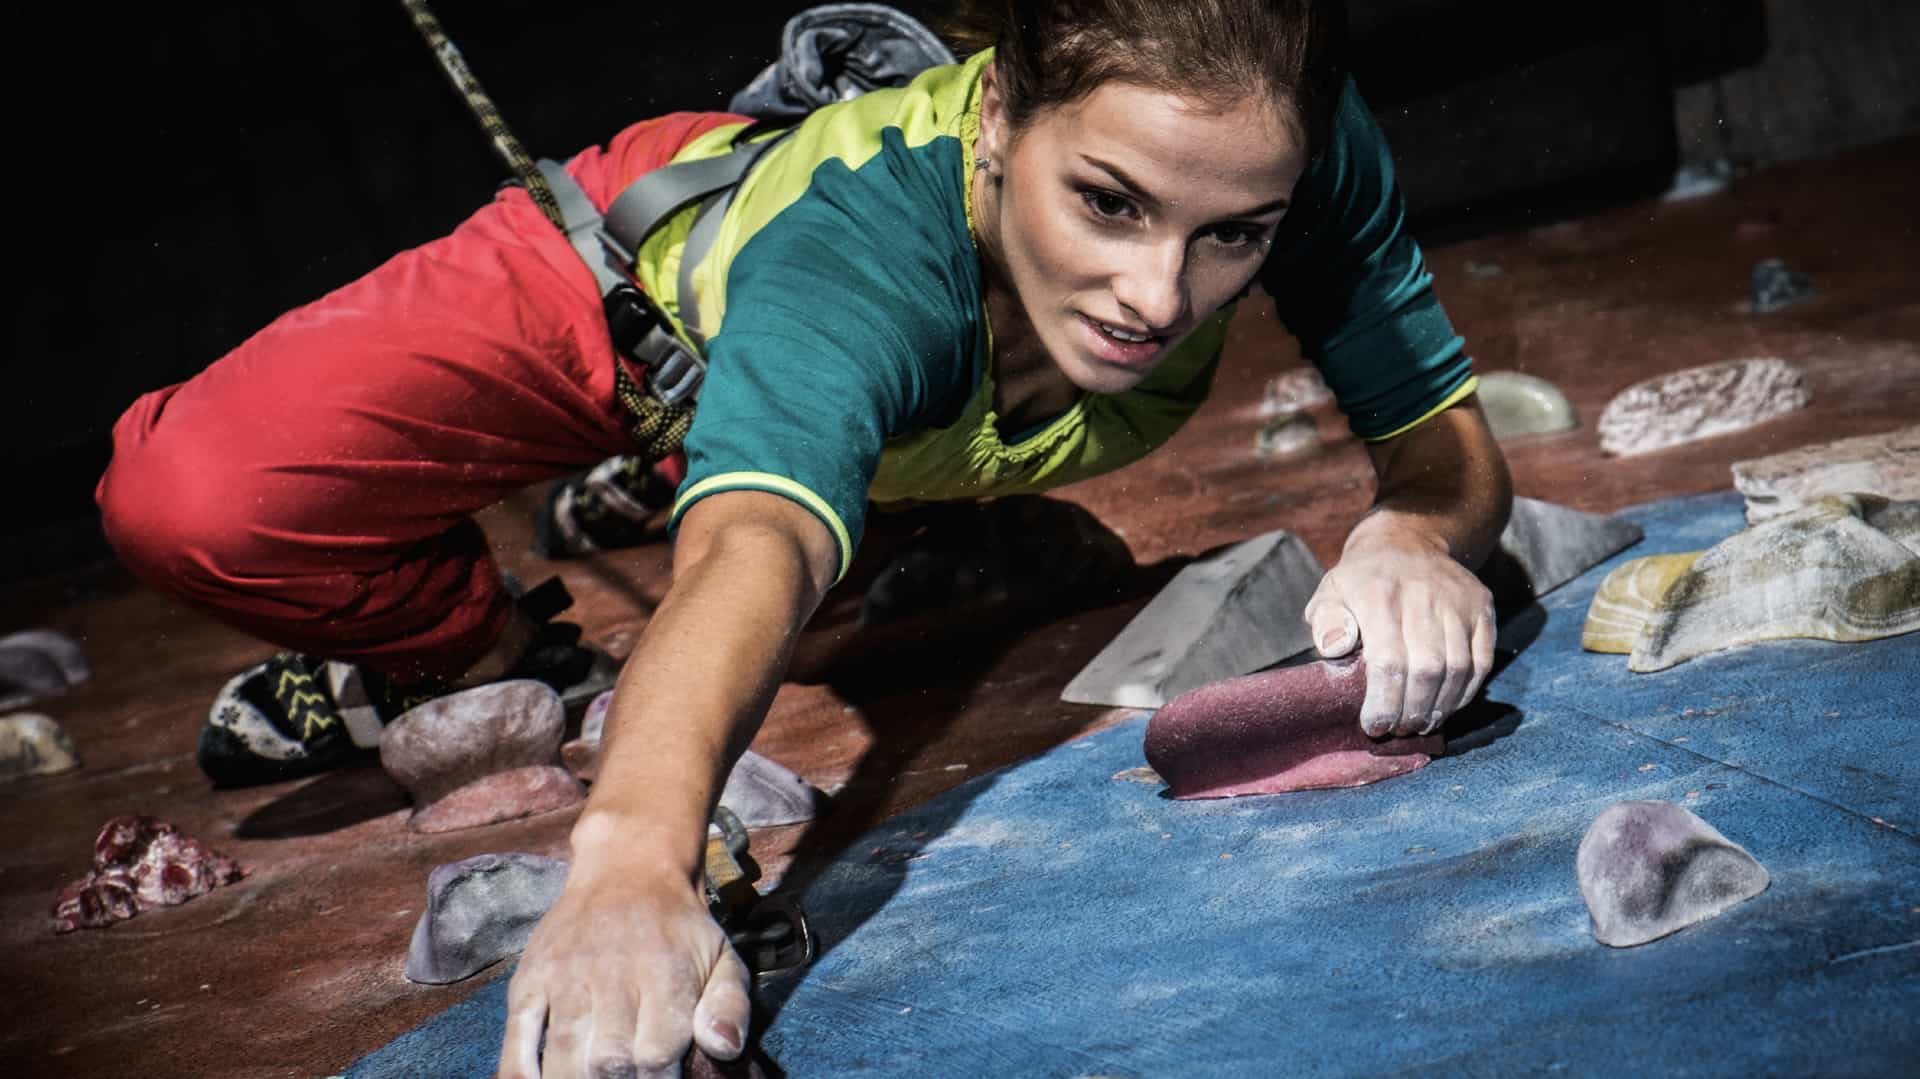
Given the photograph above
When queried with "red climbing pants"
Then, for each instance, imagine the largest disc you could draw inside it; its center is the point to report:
(315, 486)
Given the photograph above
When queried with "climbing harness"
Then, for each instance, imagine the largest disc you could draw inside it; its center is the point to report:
(662, 409)
(770, 933)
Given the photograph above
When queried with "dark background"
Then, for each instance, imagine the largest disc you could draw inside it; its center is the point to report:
(183, 173)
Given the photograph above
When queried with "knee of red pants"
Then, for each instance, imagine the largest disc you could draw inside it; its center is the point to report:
(193, 519)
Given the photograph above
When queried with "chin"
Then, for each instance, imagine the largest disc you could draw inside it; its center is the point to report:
(1091, 375)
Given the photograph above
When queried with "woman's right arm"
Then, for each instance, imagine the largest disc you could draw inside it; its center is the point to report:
(628, 967)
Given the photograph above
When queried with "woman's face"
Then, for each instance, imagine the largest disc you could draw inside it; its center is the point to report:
(1122, 220)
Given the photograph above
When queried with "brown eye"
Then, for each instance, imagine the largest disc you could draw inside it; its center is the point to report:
(1106, 203)
(1238, 235)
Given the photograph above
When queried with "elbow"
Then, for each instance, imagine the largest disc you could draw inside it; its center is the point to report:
(743, 536)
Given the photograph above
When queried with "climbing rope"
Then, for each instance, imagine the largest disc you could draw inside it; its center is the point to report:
(658, 428)
(495, 125)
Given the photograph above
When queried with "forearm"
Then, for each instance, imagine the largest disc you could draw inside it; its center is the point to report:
(1443, 484)
(696, 689)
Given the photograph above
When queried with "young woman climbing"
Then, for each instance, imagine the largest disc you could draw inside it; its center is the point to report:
(1011, 274)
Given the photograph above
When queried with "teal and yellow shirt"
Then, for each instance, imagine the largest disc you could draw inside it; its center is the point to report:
(843, 311)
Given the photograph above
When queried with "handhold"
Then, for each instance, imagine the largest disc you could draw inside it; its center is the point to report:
(1545, 545)
(502, 740)
(1697, 179)
(1518, 404)
(1291, 729)
(38, 663)
(1235, 612)
(1287, 435)
(1885, 464)
(764, 793)
(1827, 571)
(1700, 402)
(1629, 597)
(34, 745)
(760, 791)
(480, 910)
(1648, 869)
(139, 863)
(1775, 286)
(1295, 391)
(501, 796)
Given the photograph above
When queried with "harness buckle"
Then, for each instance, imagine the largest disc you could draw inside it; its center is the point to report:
(674, 371)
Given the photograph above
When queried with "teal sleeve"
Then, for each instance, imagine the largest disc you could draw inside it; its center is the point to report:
(1349, 281)
(851, 318)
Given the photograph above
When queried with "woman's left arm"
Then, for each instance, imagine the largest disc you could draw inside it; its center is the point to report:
(1404, 586)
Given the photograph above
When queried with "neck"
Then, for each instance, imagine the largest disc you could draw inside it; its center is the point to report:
(1027, 388)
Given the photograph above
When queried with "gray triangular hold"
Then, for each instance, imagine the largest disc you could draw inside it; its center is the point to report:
(1546, 545)
(1221, 617)
(763, 792)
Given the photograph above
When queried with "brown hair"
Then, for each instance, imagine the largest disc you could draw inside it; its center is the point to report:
(1052, 52)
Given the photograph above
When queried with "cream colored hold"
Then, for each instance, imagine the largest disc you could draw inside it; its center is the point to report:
(1629, 598)
(1700, 402)
(1843, 568)
(1518, 404)
(1885, 464)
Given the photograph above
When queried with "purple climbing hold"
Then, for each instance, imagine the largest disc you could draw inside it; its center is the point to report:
(1291, 729)
(481, 756)
(1648, 869)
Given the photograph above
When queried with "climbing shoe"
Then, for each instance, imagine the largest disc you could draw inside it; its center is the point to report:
(294, 715)
(604, 508)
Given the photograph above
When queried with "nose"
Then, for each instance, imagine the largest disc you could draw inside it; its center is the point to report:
(1153, 286)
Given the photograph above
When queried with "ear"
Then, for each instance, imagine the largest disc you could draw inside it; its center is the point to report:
(993, 115)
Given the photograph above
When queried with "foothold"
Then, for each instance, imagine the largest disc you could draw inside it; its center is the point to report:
(1629, 597)
(1545, 545)
(764, 793)
(594, 724)
(480, 910)
(1235, 612)
(760, 791)
(34, 745)
(508, 795)
(1287, 435)
(1648, 869)
(1700, 402)
(581, 755)
(1826, 571)
(1846, 568)
(1298, 390)
(38, 663)
(139, 863)
(1292, 729)
(1518, 405)
(490, 753)
(1776, 287)
(1885, 464)
(1698, 179)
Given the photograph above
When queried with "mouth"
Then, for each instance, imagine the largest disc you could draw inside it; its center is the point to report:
(1120, 345)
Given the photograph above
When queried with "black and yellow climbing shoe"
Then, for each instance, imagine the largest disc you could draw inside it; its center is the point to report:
(294, 715)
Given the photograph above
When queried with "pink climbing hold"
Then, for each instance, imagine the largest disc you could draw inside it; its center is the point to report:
(140, 862)
(1292, 729)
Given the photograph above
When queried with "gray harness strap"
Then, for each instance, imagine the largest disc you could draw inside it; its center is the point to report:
(609, 243)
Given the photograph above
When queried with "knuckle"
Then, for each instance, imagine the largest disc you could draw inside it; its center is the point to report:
(614, 1067)
(562, 1041)
(654, 1060)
